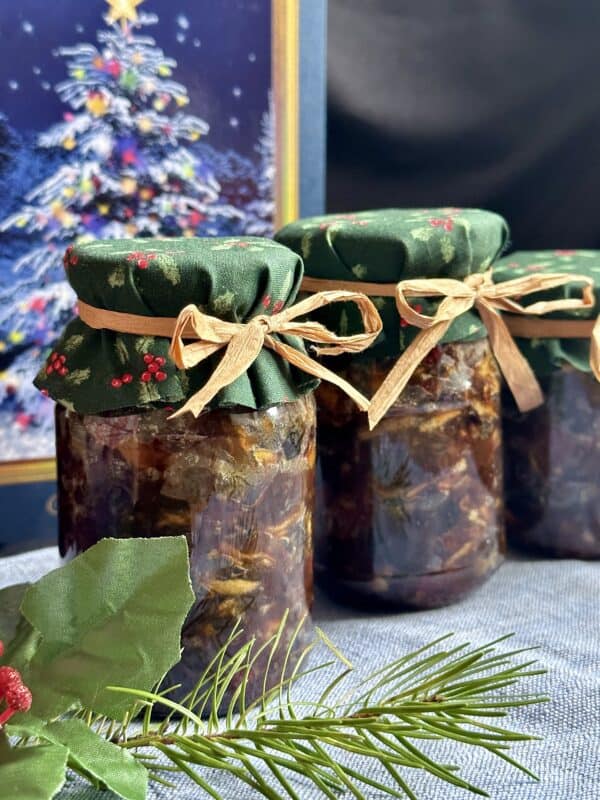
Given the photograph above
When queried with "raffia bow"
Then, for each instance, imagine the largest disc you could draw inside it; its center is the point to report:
(243, 341)
(480, 292)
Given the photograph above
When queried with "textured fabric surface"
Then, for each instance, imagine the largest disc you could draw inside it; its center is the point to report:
(553, 605)
(232, 279)
(395, 244)
(548, 354)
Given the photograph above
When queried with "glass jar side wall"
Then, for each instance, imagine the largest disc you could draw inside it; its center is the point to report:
(410, 514)
(239, 486)
(552, 464)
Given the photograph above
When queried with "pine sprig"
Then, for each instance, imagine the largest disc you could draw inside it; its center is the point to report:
(390, 719)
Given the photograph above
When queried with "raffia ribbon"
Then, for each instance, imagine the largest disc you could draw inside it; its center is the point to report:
(489, 298)
(244, 341)
(528, 328)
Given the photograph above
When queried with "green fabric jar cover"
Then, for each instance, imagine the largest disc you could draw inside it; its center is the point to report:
(391, 245)
(549, 353)
(97, 370)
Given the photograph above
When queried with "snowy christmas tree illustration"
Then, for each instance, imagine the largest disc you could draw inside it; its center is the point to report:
(129, 164)
(261, 210)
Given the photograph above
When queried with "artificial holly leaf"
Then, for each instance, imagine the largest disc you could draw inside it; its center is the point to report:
(113, 615)
(32, 773)
(10, 610)
(104, 764)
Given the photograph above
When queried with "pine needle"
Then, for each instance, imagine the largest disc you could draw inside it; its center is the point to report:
(388, 719)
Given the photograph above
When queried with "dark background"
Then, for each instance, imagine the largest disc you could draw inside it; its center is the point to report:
(493, 103)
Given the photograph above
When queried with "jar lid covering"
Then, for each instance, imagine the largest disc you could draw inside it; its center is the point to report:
(391, 245)
(234, 279)
(546, 354)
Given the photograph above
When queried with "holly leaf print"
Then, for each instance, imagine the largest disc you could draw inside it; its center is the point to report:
(223, 303)
(360, 271)
(306, 245)
(144, 344)
(72, 343)
(447, 248)
(148, 392)
(168, 266)
(78, 376)
(121, 350)
(422, 234)
(116, 278)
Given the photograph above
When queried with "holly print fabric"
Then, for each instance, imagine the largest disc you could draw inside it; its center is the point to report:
(549, 354)
(235, 279)
(391, 245)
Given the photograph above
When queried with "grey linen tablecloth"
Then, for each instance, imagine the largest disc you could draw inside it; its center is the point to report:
(553, 605)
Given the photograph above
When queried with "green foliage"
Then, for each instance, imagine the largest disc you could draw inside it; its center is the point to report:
(100, 621)
(114, 614)
(10, 604)
(32, 773)
(429, 695)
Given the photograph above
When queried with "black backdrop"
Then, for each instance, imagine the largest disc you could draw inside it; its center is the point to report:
(493, 103)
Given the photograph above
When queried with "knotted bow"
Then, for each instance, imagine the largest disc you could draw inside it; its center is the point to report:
(244, 341)
(480, 292)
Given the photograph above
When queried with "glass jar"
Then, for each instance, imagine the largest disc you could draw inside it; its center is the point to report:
(552, 464)
(410, 514)
(238, 484)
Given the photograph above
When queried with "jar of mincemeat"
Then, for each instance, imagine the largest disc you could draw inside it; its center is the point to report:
(410, 513)
(552, 454)
(237, 480)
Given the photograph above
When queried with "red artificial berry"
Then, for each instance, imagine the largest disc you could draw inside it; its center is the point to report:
(148, 358)
(160, 361)
(63, 371)
(49, 369)
(127, 377)
(153, 367)
(54, 356)
(1, 648)
(44, 392)
(9, 676)
(18, 697)
(266, 300)
(278, 306)
(116, 383)
(161, 376)
(62, 359)
(146, 376)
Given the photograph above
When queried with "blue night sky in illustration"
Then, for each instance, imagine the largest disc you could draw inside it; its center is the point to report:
(222, 48)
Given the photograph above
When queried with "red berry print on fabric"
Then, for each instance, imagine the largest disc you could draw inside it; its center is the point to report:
(278, 306)
(266, 301)
(565, 253)
(142, 260)
(70, 258)
(342, 219)
(153, 369)
(57, 364)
